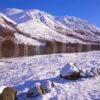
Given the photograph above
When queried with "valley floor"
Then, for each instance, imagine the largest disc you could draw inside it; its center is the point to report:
(23, 72)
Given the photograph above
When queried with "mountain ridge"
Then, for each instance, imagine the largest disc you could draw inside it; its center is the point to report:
(10, 10)
(64, 25)
(39, 28)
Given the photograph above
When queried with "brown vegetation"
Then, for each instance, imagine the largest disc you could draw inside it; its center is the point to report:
(9, 48)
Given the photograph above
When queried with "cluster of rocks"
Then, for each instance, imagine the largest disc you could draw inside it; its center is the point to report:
(38, 89)
(70, 72)
(92, 72)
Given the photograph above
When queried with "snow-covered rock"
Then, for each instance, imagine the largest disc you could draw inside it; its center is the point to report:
(88, 73)
(39, 89)
(48, 86)
(70, 71)
(34, 91)
(91, 72)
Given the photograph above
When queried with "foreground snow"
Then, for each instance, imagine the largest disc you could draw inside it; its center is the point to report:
(23, 73)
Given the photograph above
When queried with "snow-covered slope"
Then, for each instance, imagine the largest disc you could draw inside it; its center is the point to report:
(39, 24)
(4, 20)
(42, 25)
(76, 23)
(9, 26)
(80, 26)
(23, 73)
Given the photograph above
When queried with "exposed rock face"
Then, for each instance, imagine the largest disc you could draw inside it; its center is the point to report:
(8, 94)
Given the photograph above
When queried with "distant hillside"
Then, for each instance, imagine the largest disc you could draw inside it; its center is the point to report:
(31, 32)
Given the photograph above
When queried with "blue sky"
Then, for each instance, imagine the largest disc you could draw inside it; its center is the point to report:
(85, 9)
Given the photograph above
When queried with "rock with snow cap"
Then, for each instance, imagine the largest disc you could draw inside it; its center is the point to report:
(35, 91)
(89, 73)
(48, 85)
(40, 89)
(70, 71)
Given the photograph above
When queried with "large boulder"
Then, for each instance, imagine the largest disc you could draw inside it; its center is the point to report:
(70, 71)
(7, 93)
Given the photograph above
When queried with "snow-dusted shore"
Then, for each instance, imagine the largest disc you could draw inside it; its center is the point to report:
(23, 72)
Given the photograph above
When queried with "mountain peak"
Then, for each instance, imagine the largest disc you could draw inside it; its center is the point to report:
(67, 28)
(4, 17)
(21, 16)
(11, 11)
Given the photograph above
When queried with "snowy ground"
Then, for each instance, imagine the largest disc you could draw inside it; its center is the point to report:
(23, 72)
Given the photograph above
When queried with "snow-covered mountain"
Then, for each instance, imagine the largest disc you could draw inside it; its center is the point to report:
(38, 29)
(13, 41)
(8, 25)
(66, 29)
